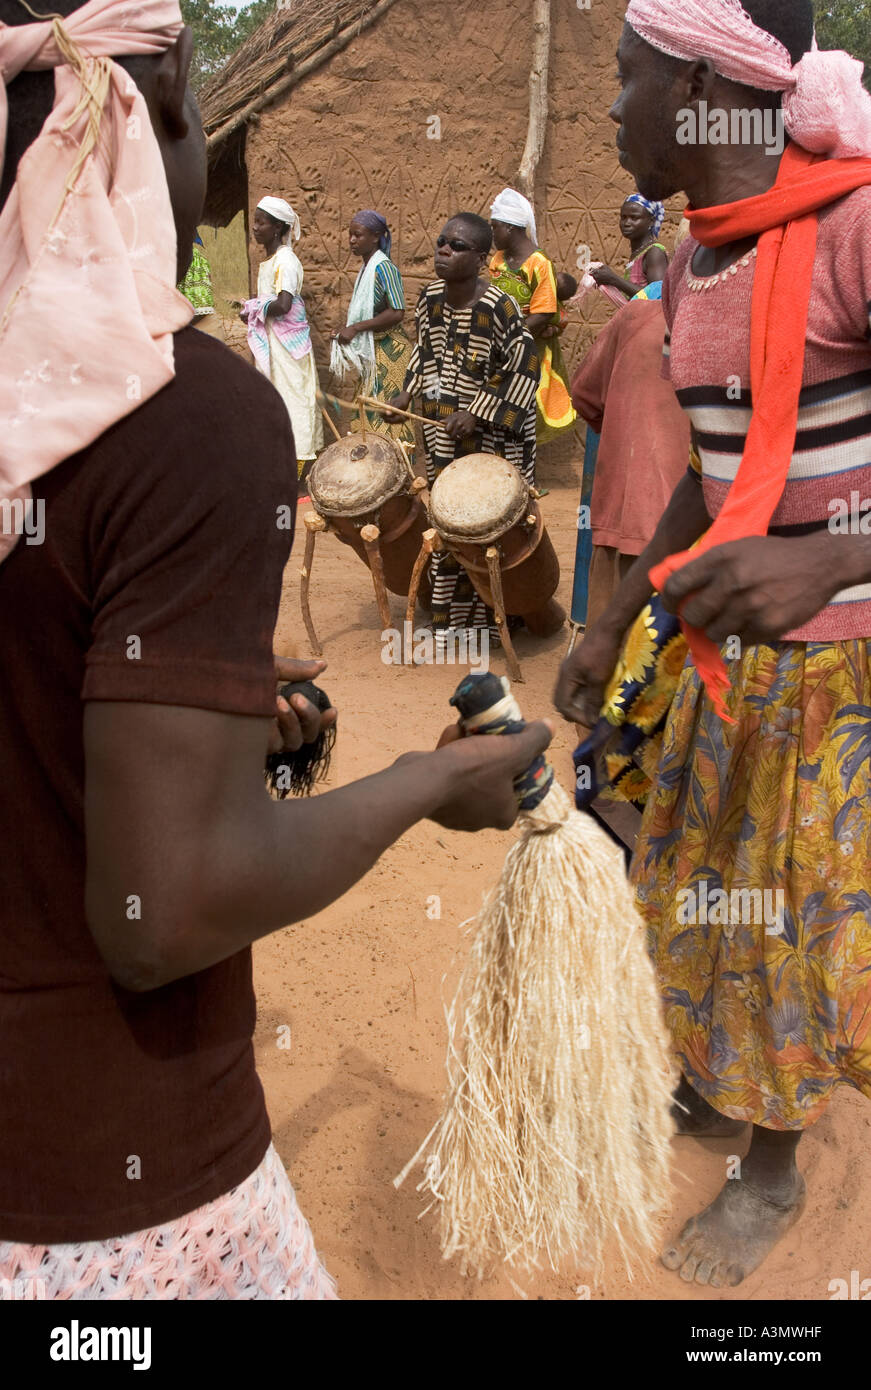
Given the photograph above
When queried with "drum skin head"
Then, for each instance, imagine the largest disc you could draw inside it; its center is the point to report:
(355, 476)
(478, 498)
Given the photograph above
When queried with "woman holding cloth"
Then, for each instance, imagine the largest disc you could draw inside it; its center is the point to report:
(521, 270)
(278, 330)
(641, 223)
(373, 346)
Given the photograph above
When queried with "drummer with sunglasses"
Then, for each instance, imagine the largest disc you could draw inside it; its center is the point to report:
(475, 369)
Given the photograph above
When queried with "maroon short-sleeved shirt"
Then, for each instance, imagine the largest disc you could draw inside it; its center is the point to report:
(171, 528)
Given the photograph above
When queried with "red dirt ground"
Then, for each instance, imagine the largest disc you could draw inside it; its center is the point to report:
(362, 987)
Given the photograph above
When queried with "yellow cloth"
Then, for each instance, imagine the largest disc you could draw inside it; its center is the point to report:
(533, 286)
(766, 1016)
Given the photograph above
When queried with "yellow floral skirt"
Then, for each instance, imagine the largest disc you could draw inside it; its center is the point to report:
(392, 356)
(753, 871)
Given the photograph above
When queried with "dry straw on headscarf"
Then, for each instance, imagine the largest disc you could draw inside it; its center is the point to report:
(88, 303)
(511, 207)
(827, 113)
(282, 212)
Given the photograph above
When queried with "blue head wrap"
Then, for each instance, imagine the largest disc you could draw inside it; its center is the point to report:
(656, 210)
(376, 223)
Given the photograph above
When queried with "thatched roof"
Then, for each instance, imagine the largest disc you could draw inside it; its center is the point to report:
(293, 41)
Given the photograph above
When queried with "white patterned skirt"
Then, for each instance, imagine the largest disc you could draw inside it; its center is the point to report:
(251, 1243)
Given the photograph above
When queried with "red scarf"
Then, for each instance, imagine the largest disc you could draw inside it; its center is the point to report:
(785, 218)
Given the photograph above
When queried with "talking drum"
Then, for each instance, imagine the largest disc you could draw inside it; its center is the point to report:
(480, 503)
(366, 481)
(363, 490)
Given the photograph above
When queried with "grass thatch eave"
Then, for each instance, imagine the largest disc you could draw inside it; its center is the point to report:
(292, 42)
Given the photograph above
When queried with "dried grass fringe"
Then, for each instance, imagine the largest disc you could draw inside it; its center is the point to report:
(555, 1135)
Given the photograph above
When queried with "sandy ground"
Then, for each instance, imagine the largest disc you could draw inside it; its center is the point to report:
(362, 987)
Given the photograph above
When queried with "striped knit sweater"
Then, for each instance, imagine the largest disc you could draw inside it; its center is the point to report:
(707, 351)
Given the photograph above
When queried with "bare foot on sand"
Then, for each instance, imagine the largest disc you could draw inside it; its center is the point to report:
(692, 1115)
(731, 1237)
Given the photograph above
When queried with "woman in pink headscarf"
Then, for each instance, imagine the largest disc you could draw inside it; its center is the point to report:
(754, 857)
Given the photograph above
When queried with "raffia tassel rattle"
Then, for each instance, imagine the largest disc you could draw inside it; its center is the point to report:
(554, 1138)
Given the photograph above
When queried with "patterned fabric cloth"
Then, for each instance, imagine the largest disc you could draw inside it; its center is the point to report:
(533, 286)
(252, 1243)
(479, 359)
(392, 352)
(767, 1016)
(197, 284)
(622, 752)
(653, 291)
(283, 272)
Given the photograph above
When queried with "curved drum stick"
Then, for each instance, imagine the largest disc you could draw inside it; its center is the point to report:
(330, 421)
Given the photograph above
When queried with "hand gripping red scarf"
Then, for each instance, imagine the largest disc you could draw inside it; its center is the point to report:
(785, 218)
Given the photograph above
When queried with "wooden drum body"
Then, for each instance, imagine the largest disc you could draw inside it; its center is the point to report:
(361, 481)
(480, 501)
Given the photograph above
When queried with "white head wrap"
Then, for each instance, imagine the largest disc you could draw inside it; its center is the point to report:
(283, 212)
(517, 211)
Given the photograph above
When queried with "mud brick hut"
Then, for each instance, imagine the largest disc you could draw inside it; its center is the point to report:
(419, 110)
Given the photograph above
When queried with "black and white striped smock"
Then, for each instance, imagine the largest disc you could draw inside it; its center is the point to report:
(483, 360)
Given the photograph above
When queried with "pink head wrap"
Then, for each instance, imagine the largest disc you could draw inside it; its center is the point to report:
(825, 107)
(88, 303)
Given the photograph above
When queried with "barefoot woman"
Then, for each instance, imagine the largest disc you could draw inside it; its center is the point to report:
(765, 774)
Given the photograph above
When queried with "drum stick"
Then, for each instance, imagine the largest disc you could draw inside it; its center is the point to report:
(329, 420)
(495, 573)
(376, 405)
(382, 406)
(408, 463)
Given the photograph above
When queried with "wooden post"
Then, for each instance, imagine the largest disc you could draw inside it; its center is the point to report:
(370, 536)
(313, 524)
(495, 572)
(419, 489)
(538, 77)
